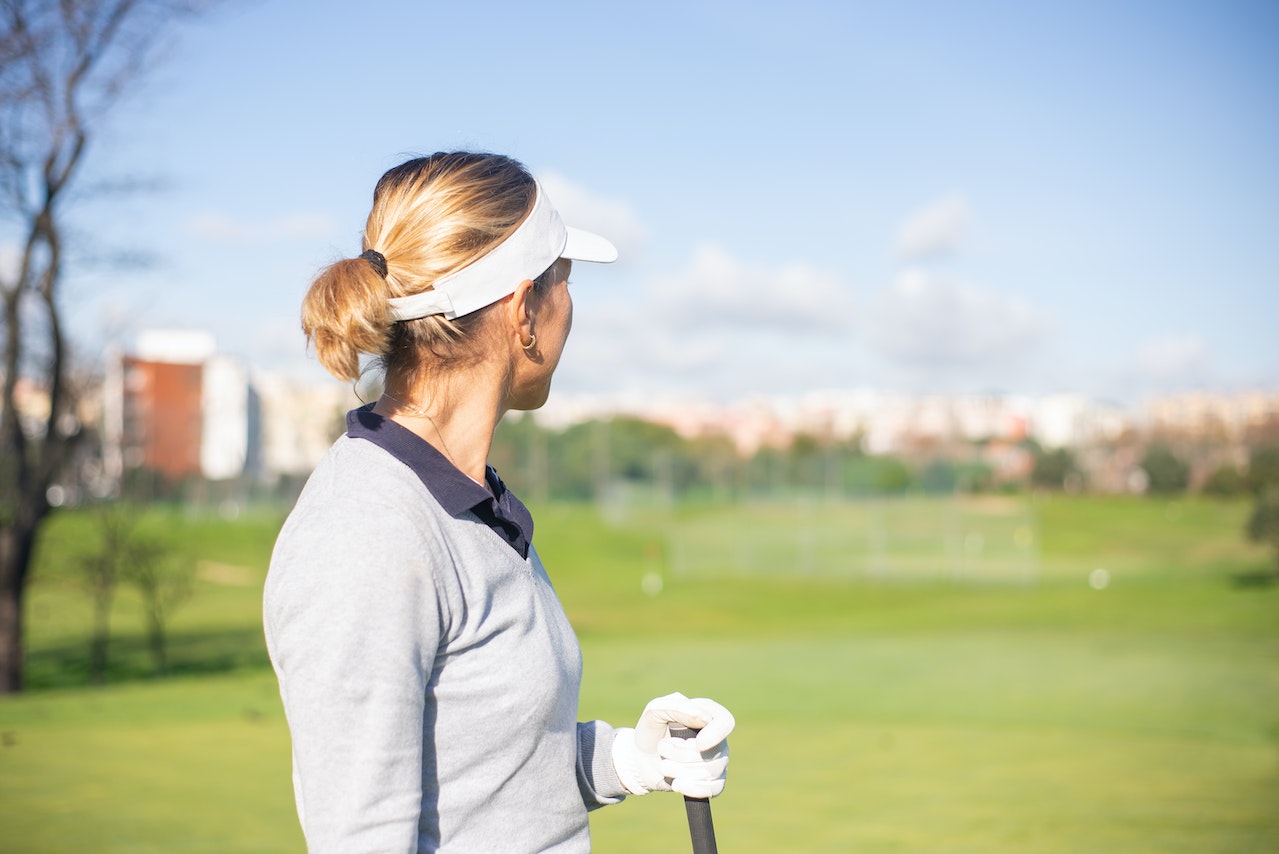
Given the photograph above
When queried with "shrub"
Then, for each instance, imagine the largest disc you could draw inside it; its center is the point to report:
(1166, 473)
(1224, 482)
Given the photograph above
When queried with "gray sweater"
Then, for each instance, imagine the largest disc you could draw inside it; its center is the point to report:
(429, 675)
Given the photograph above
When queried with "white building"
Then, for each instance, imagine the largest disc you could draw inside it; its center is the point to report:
(300, 419)
(229, 422)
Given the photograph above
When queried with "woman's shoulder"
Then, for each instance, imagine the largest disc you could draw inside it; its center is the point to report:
(358, 489)
(358, 470)
(361, 514)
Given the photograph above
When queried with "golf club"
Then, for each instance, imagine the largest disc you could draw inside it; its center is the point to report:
(700, 826)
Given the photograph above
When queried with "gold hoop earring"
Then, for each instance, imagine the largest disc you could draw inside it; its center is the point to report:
(532, 342)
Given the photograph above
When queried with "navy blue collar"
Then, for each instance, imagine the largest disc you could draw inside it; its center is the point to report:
(495, 506)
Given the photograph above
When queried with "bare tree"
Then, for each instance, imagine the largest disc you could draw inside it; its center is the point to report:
(131, 551)
(100, 570)
(100, 574)
(164, 581)
(64, 65)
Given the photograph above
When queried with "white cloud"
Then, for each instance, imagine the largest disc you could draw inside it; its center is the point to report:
(939, 228)
(1174, 358)
(932, 318)
(612, 218)
(719, 326)
(221, 228)
(718, 289)
(624, 342)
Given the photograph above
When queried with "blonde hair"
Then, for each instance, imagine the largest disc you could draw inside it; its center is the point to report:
(430, 216)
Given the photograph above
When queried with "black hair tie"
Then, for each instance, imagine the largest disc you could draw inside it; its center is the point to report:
(376, 260)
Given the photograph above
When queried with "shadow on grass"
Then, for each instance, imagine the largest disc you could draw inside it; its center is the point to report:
(1256, 578)
(129, 658)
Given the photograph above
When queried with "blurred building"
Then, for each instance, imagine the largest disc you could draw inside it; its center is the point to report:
(1204, 416)
(161, 411)
(177, 408)
(300, 420)
(1075, 420)
(230, 423)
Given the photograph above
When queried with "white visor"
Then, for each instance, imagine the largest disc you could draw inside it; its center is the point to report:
(527, 253)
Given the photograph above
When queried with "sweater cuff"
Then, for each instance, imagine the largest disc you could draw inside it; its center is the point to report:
(596, 776)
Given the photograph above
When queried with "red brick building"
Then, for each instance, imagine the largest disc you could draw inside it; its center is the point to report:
(162, 416)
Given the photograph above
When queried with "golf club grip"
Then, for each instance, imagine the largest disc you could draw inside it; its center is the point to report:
(700, 826)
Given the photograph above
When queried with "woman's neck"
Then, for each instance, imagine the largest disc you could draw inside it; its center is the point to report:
(459, 426)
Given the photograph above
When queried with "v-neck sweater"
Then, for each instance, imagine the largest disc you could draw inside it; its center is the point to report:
(429, 675)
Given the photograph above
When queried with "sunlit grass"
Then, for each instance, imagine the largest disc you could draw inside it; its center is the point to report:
(917, 715)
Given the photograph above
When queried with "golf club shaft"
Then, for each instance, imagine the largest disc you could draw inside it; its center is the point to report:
(700, 826)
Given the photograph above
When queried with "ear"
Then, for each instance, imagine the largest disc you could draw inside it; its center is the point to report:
(519, 310)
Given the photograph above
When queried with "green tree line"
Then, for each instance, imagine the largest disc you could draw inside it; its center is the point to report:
(586, 461)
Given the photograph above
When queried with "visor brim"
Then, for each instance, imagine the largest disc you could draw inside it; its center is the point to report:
(586, 246)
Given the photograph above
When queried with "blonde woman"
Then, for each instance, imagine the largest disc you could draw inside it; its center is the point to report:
(429, 676)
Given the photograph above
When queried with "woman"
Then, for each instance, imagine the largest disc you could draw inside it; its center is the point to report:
(429, 676)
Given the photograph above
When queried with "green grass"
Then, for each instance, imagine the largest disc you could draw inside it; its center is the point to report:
(921, 711)
(181, 765)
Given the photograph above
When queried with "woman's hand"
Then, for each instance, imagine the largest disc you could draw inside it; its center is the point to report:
(647, 759)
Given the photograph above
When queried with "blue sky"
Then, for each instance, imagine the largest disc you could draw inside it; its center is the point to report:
(917, 196)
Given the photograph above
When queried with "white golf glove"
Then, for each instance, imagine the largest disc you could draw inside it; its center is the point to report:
(647, 759)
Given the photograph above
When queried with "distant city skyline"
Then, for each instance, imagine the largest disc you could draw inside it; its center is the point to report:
(929, 198)
(176, 406)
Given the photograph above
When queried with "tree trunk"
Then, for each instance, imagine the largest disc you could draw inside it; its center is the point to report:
(156, 639)
(101, 636)
(16, 542)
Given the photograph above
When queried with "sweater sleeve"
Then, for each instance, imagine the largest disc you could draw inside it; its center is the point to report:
(596, 777)
(353, 625)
